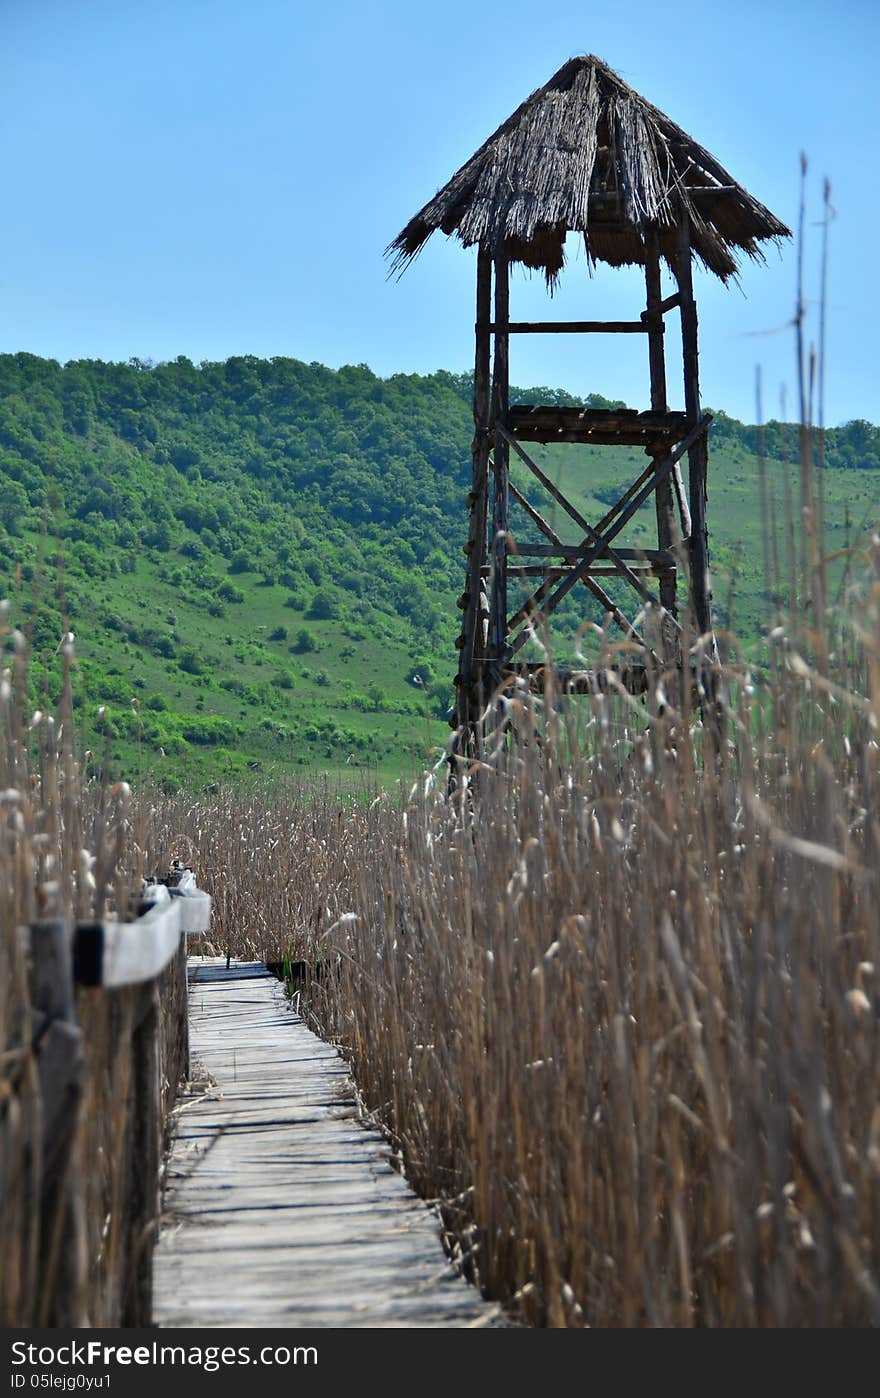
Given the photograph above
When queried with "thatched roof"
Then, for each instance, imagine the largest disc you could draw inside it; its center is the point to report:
(585, 153)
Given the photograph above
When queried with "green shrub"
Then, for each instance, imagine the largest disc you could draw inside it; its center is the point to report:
(241, 562)
(228, 592)
(190, 661)
(324, 606)
(304, 642)
(208, 730)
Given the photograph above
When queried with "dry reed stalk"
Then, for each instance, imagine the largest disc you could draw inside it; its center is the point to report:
(618, 1006)
(55, 830)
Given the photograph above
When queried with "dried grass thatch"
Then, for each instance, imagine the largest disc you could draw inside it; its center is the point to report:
(585, 153)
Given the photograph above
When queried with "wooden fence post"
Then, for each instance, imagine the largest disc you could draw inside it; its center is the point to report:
(58, 1047)
(145, 1158)
(141, 966)
(182, 1004)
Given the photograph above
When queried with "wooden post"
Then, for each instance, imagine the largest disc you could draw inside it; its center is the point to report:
(698, 453)
(182, 1004)
(663, 497)
(472, 650)
(500, 510)
(657, 361)
(62, 1266)
(146, 1158)
(52, 992)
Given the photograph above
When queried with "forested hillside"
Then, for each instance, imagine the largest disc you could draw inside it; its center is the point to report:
(260, 558)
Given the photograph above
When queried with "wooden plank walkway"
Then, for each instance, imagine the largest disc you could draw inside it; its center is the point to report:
(281, 1208)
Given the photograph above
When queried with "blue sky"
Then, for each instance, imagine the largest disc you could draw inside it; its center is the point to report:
(216, 177)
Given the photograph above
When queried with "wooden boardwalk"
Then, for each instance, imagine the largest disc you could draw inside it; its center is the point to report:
(281, 1208)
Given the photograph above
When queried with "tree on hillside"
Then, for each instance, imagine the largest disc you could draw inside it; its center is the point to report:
(13, 505)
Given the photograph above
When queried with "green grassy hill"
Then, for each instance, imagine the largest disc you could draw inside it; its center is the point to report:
(260, 558)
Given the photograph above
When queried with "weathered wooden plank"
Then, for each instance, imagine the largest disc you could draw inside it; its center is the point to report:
(139, 951)
(282, 1209)
(602, 426)
(591, 437)
(195, 911)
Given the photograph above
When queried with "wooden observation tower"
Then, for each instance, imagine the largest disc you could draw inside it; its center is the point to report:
(585, 154)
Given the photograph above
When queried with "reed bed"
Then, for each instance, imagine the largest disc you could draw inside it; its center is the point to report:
(75, 1235)
(615, 1001)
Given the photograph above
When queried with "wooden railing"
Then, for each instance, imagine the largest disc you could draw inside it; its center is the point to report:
(109, 1037)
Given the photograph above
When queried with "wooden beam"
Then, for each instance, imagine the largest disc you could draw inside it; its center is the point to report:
(195, 910)
(664, 468)
(573, 553)
(684, 513)
(667, 304)
(574, 327)
(139, 951)
(598, 570)
(113, 954)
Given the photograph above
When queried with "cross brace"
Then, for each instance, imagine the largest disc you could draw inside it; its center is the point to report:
(596, 544)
